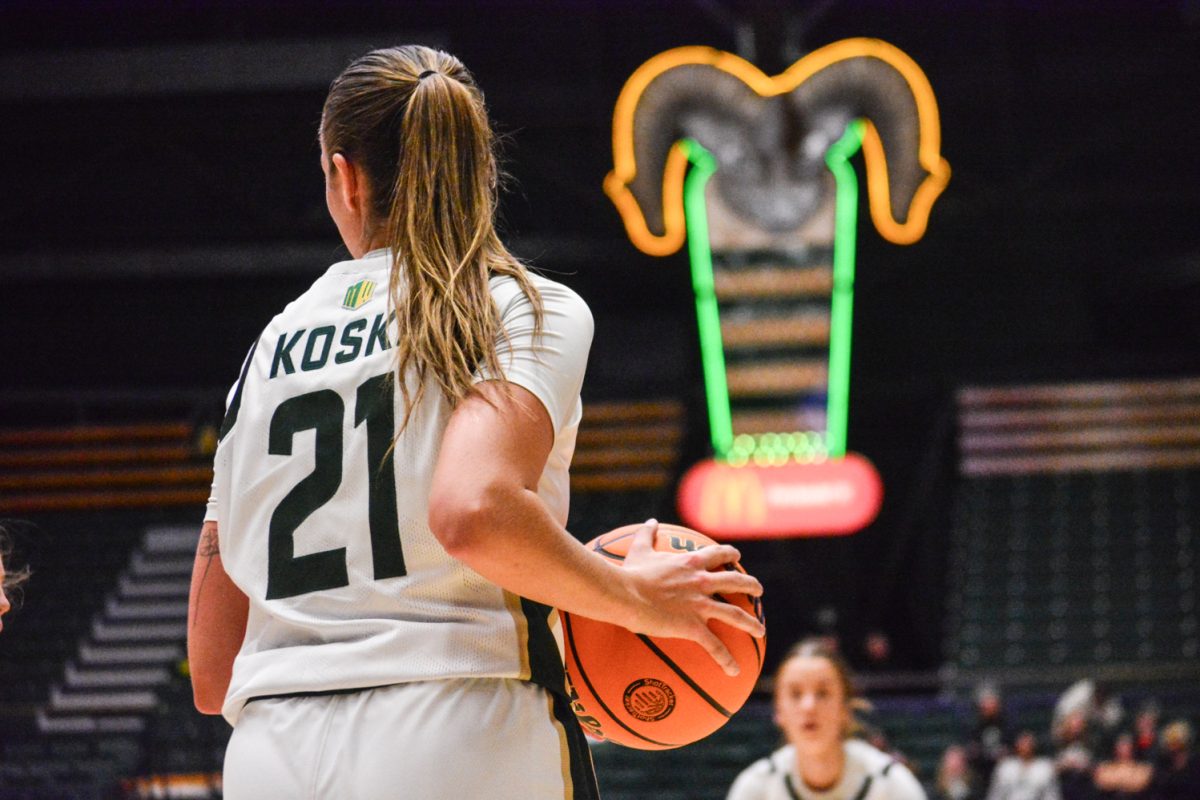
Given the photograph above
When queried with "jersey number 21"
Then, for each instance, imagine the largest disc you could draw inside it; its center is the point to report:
(289, 575)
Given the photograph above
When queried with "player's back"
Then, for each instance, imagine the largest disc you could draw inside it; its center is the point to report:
(323, 524)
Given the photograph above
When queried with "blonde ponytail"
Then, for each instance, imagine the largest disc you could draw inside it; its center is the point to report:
(414, 120)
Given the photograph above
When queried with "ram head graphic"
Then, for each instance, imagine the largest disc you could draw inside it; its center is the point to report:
(770, 136)
(773, 286)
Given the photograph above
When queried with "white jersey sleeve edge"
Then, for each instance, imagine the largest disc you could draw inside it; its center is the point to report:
(550, 365)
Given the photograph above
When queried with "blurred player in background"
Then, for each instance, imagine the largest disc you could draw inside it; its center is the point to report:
(374, 613)
(815, 702)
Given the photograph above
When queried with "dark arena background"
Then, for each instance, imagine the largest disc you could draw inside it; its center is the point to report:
(1025, 377)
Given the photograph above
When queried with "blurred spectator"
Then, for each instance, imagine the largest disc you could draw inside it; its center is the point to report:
(826, 621)
(1123, 776)
(1177, 776)
(1074, 761)
(955, 778)
(1145, 733)
(1102, 711)
(989, 737)
(1024, 775)
(877, 649)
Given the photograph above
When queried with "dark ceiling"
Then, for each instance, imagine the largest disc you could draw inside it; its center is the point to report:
(1067, 239)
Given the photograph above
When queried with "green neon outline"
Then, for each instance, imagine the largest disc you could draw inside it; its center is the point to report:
(845, 228)
(712, 350)
(767, 447)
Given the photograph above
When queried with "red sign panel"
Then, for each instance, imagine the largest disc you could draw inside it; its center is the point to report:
(825, 498)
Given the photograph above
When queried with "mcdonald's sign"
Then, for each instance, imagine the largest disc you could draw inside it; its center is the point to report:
(826, 498)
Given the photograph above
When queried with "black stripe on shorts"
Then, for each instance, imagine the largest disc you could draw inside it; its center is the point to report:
(583, 773)
(546, 670)
(545, 661)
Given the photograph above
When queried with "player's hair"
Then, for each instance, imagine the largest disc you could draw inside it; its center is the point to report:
(414, 121)
(13, 578)
(822, 647)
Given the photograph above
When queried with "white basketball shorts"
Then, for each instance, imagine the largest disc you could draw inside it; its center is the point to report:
(453, 739)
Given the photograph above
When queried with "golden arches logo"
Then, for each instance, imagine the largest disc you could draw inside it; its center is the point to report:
(821, 498)
(734, 498)
(625, 168)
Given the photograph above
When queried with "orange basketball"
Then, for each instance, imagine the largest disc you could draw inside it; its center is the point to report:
(655, 694)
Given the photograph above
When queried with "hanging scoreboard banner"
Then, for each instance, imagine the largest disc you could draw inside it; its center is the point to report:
(754, 172)
(820, 498)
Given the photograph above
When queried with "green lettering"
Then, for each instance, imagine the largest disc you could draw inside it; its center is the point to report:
(283, 353)
(378, 335)
(325, 332)
(352, 340)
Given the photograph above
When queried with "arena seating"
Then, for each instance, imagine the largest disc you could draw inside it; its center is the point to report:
(88, 466)
(76, 558)
(166, 462)
(113, 680)
(1074, 530)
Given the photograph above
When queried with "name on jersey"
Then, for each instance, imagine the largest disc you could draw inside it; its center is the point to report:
(308, 350)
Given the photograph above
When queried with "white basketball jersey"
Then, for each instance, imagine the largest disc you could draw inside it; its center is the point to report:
(868, 774)
(326, 530)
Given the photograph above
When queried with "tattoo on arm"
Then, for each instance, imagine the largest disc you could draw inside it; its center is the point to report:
(209, 544)
(209, 547)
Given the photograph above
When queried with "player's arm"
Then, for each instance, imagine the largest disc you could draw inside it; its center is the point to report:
(217, 611)
(485, 511)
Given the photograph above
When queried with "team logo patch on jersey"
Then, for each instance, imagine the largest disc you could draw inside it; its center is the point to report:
(358, 294)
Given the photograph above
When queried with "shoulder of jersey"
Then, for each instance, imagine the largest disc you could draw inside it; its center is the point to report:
(561, 304)
(505, 287)
(348, 290)
(766, 766)
(886, 769)
(781, 760)
(874, 760)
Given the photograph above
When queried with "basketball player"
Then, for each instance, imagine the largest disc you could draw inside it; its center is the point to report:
(373, 593)
(814, 707)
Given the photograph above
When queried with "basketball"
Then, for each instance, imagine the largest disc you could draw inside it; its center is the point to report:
(654, 693)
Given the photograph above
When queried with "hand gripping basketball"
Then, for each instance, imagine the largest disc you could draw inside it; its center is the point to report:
(689, 656)
(680, 589)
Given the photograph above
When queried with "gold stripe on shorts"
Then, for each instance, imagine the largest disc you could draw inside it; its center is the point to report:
(564, 750)
(513, 603)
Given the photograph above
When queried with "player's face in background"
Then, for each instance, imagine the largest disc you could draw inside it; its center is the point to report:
(810, 702)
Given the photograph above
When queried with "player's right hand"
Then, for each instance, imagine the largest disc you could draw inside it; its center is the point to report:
(677, 593)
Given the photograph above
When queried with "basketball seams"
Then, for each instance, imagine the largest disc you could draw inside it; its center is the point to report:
(611, 556)
(601, 546)
(592, 689)
(697, 688)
